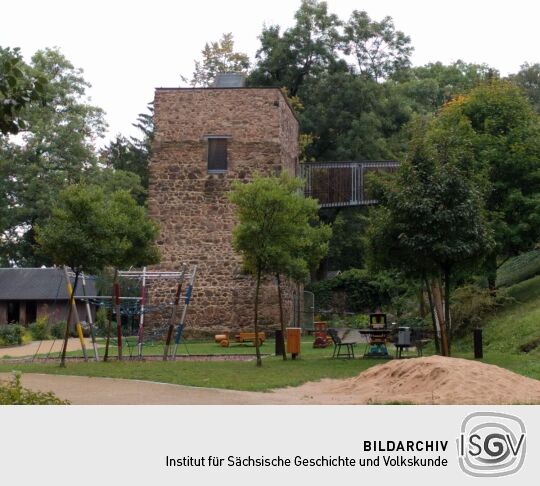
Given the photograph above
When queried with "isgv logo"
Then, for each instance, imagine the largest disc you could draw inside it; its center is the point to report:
(491, 444)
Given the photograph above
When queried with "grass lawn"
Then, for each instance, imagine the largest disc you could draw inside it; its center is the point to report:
(314, 364)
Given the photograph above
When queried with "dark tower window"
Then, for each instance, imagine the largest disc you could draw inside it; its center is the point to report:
(217, 154)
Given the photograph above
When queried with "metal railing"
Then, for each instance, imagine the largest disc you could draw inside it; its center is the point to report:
(338, 184)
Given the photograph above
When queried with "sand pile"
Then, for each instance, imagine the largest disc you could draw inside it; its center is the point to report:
(432, 380)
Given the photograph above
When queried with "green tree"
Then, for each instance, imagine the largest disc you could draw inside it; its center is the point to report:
(218, 57)
(429, 87)
(58, 150)
(302, 52)
(19, 87)
(273, 233)
(528, 78)
(431, 219)
(89, 230)
(380, 50)
(505, 136)
(132, 155)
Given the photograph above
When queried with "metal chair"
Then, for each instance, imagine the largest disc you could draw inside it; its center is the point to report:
(338, 343)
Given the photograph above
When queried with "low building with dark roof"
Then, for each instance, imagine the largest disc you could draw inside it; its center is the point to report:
(27, 294)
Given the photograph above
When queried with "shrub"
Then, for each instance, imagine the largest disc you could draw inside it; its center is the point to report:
(363, 292)
(11, 335)
(358, 321)
(470, 305)
(13, 393)
(40, 329)
(58, 330)
(101, 322)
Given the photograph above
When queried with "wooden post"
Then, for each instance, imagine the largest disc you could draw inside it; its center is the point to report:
(478, 347)
(90, 321)
(172, 319)
(72, 303)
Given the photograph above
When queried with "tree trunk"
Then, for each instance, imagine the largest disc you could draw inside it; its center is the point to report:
(298, 323)
(447, 322)
(281, 319)
(109, 324)
(422, 303)
(433, 319)
(256, 319)
(70, 311)
(440, 311)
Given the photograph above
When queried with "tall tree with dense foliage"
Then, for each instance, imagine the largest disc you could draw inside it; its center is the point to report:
(218, 57)
(19, 86)
(431, 218)
(274, 234)
(58, 150)
(379, 49)
(505, 137)
(302, 52)
(427, 88)
(528, 79)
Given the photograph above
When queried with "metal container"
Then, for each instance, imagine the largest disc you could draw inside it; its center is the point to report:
(404, 336)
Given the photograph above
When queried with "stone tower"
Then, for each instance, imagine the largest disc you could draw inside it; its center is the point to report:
(206, 138)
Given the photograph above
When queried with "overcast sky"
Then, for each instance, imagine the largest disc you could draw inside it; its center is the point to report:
(126, 49)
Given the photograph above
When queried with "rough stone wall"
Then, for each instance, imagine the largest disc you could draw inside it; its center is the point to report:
(192, 205)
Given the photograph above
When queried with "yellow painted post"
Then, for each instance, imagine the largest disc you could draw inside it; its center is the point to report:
(76, 313)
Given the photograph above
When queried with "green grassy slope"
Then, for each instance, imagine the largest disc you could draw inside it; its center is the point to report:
(519, 268)
(509, 330)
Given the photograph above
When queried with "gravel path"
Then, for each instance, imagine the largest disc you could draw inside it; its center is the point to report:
(49, 346)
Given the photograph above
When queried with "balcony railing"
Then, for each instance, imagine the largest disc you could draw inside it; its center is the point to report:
(339, 184)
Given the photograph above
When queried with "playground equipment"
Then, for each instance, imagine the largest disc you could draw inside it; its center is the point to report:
(244, 337)
(134, 307)
(378, 334)
(322, 340)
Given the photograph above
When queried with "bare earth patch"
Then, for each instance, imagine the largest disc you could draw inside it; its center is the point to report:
(432, 380)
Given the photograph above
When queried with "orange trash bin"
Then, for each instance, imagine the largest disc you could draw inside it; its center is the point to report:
(293, 341)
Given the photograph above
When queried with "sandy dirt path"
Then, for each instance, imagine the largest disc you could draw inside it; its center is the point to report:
(82, 390)
(50, 346)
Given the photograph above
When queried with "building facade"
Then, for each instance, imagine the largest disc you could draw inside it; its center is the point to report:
(28, 294)
(206, 139)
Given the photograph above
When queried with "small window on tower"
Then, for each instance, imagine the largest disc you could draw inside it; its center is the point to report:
(217, 154)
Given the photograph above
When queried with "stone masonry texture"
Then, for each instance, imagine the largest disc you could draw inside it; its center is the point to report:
(192, 207)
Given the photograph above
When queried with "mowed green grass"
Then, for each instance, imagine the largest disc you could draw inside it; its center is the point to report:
(314, 364)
